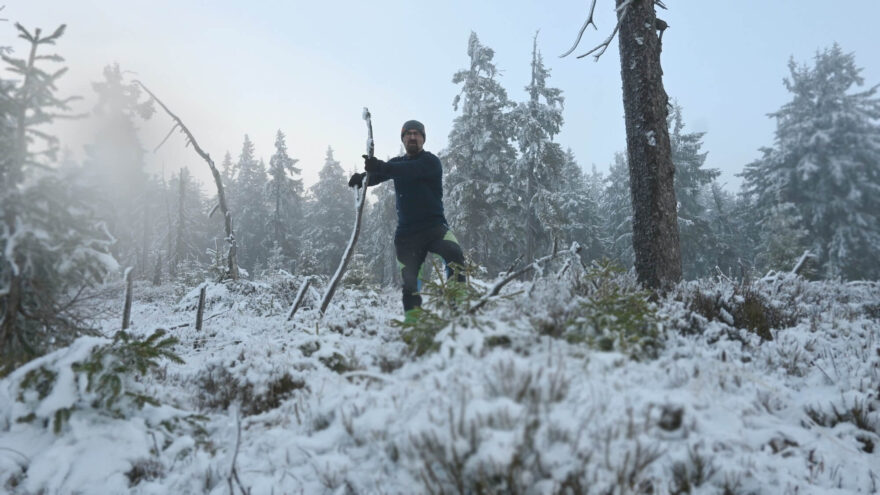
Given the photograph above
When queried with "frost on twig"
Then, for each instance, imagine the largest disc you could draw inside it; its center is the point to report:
(537, 264)
(600, 48)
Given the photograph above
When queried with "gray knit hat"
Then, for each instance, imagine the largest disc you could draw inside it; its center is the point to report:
(413, 124)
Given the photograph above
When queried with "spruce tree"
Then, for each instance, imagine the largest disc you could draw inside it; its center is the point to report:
(115, 162)
(285, 200)
(692, 190)
(228, 173)
(617, 205)
(538, 171)
(576, 201)
(734, 231)
(51, 247)
(378, 245)
(823, 164)
(251, 207)
(189, 230)
(479, 159)
(330, 216)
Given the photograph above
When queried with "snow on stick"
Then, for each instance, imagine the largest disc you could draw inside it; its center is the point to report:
(126, 311)
(801, 262)
(496, 288)
(200, 313)
(299, 297)
(359, 208)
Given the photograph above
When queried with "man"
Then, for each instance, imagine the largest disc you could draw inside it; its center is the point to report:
(421, 225)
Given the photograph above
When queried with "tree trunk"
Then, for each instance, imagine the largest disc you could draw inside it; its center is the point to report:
(181, 220)
(531, 221)
(655, 222)
(146, 236)
(200, 312)
(126, 309)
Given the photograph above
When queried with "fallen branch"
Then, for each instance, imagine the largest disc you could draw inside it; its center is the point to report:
(575, 248)
(299, 297)
(183, 325)
(801, 263)
(374, 376)
(232, 263)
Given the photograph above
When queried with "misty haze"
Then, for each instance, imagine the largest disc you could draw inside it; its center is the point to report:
(382, 247)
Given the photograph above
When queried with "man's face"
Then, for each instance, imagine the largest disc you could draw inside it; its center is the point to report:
(413, 141)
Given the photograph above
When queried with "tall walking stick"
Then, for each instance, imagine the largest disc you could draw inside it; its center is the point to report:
(359, 205)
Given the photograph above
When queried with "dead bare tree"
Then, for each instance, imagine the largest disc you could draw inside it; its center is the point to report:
(231, 261)
(655, 220)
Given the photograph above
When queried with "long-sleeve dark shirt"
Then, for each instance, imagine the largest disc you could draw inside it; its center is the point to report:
(418, 187)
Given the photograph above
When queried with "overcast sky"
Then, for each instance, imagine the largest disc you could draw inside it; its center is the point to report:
(308, 68)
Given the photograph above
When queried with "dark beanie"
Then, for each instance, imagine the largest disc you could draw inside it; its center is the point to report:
(413, 124)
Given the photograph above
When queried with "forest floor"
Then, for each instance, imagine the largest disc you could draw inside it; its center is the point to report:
(573, 382)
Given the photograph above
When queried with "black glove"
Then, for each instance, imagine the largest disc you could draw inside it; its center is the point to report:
(372, 164)
(356, 180)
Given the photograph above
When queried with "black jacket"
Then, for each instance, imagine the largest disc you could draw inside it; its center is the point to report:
(418, 187)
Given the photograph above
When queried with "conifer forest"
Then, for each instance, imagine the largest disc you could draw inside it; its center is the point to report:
(665, 321)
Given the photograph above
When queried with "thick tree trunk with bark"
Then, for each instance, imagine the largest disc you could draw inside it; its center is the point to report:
(655, 223)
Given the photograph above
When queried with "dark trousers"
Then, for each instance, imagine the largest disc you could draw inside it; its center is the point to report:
(411, 252)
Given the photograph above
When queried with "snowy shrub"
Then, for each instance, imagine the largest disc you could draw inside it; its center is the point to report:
(258, 298)
(446, 302)
(145, 470)
(341, 363)
(616, 320)
(501, 443)
(858, 419)
(144, 292)
(92, 374)
(420, 331)
(692, 472)
(218, 388)
(190, 273)
(742, 304)
(513, 431)
(610, 312)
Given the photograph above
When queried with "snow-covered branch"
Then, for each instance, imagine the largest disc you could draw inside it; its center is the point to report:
(496, 288)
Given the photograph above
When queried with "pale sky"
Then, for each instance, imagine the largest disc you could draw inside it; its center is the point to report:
(308, 68)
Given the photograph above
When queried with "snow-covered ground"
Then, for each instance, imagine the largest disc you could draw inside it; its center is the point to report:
(516, 400)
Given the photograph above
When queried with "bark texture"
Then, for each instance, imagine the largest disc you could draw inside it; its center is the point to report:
(655, 223)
